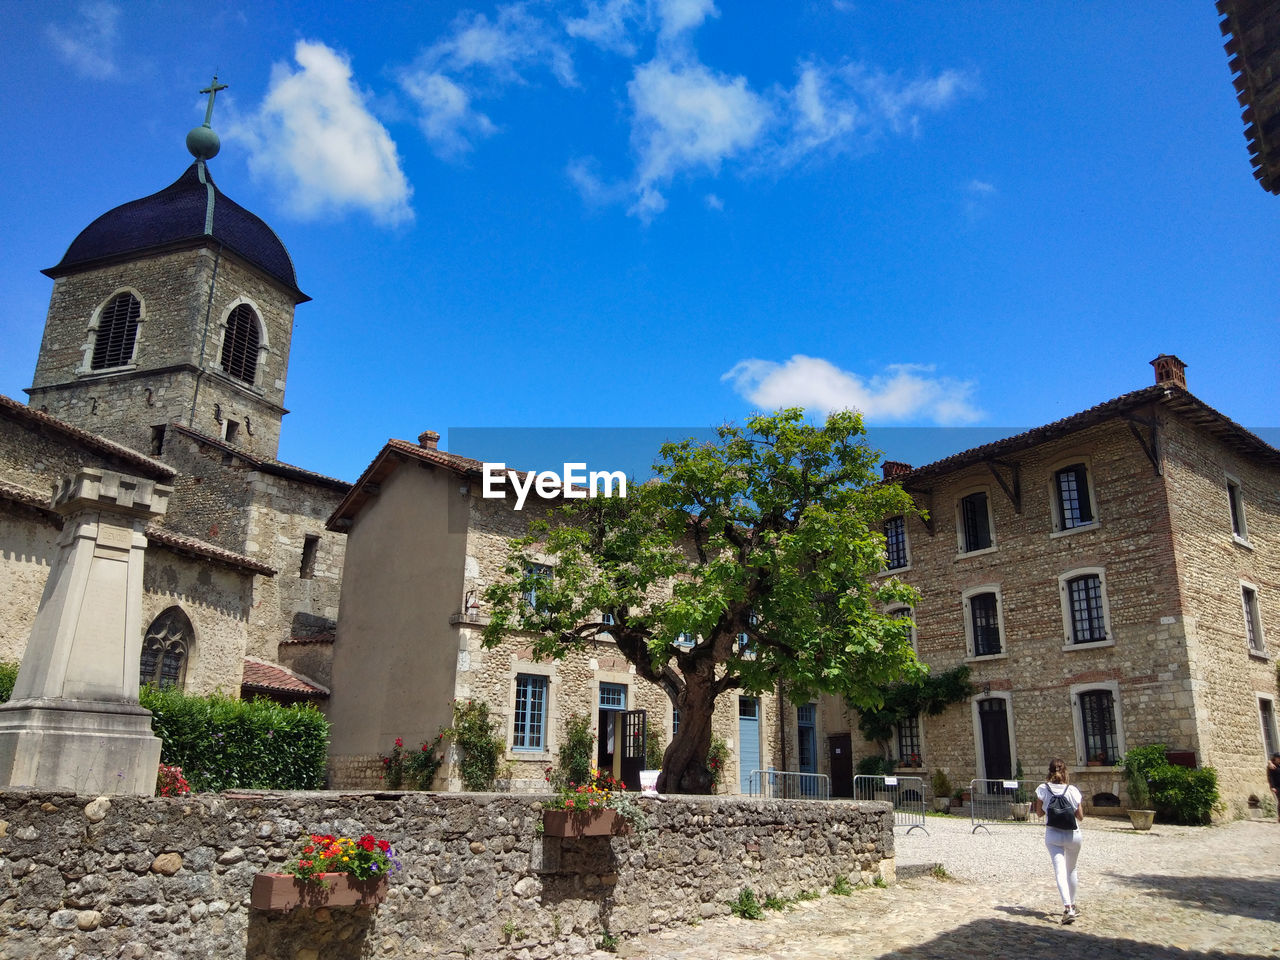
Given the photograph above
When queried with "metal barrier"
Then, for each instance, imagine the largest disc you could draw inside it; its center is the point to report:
(1000, 801)
(789, 785)
(905, 793)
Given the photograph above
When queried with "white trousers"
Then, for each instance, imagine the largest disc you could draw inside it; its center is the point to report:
(1064, 856)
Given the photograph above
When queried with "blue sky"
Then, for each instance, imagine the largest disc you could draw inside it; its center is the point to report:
(674, 212)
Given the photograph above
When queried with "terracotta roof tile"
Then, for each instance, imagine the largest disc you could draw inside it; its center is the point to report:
(208, 551)
(273, 678)
(155, 470)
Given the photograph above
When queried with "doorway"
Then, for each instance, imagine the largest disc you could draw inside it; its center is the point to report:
(993, 727)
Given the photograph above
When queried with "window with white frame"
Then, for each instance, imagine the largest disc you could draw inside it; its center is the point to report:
(1099, 736)
(1270, 735)
(1235, 500)
(1252, 619)
(1072, 499)
(1086, 615)
(529, 729)
(975, 522)
(983, 628)
(895, 543)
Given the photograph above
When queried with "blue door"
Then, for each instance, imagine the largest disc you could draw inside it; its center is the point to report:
(807, 742)
(748, 741)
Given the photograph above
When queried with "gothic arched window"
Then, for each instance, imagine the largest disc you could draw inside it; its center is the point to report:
(240, 345)
(165, 646)
(117, 330)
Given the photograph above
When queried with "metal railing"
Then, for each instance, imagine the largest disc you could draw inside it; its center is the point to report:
(1000, 801)
(905, 793)
(788, 785)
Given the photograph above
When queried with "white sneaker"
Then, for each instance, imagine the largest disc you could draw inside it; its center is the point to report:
(1069, 915)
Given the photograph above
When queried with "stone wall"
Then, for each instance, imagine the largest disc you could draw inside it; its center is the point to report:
(155, 877)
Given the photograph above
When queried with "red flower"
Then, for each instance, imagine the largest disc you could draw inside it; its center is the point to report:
(384, 846)
(399, 742)
(425, 748)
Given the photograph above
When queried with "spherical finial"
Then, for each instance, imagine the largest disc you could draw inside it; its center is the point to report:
(203, 143)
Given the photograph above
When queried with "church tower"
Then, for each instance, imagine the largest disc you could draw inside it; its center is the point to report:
(175, 308)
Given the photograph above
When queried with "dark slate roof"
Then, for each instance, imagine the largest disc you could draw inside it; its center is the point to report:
(175, 215)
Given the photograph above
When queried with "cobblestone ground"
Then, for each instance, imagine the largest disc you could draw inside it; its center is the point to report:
(1211, 893)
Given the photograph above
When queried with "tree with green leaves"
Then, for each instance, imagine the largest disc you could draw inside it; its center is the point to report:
(753, 562)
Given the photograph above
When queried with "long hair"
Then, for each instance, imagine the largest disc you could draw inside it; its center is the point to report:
(1058, 771)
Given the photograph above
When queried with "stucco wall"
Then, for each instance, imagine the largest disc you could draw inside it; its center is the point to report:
(162, 877)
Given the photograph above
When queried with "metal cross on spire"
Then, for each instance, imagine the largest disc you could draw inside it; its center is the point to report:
(212, 90)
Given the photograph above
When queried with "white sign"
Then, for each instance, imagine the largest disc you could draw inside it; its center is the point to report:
(1010, 784)
(890, 781)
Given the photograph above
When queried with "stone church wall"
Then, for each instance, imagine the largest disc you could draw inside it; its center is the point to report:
(141, 877)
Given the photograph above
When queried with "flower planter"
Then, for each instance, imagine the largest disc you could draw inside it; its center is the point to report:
(941, 804)
(283, 891)
(1142, 819)
(582, 823)
(1020, 811)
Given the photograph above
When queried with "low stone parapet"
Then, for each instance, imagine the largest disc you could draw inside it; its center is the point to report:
(165, 877)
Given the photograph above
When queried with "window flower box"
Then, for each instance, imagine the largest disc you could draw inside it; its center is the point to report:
(282, 892)
(597, 822)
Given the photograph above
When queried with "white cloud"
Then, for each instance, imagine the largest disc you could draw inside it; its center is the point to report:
(314, 137)
(687, 118)
(478, 58)
(445, 113)
(594, 190)
(678, 17)
(88, 46)
(606, 25)
(981, 187)
(713, 202)
(901, 392)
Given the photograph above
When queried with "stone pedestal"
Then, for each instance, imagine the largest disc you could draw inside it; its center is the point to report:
(74, 720)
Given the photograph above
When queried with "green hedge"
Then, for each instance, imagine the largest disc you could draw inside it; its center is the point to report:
(223, 743)
(1178, 794)
(8, 675)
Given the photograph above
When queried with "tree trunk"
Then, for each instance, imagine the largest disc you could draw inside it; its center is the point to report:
(684, 765)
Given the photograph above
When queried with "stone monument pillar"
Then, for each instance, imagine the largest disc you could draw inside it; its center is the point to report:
(74, 719)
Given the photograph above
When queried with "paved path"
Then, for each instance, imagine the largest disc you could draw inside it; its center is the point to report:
(1211, 893)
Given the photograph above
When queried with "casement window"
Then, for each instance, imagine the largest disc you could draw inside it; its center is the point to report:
(684, 640)
(895, 543)
(165, 648)
(909, 741)
(529, 729)
(117, 332)
(807, 738)
(1086, 614)
(240, 344)
(1072, 499)
(1252, 619)
(1267, 716)
(613, 696)
(975, 523)
(904, 613)
(675, 720)
(536, 574)
(1098, 726)
(1235, 501)
(982, 622)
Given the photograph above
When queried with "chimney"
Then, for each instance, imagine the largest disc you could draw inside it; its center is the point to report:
(1169, 369)
(894, 468)
(428, 439)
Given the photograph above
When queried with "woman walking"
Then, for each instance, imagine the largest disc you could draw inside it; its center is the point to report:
(1060, 804)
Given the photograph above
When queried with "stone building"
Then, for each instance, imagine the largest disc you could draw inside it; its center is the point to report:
(166, 353)
(1111, 580)
(422, 544)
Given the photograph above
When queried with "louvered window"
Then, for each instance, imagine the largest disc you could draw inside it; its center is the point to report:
(117, 330)
(240, 347)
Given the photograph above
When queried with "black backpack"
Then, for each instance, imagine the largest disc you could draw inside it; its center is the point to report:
(1060, 812)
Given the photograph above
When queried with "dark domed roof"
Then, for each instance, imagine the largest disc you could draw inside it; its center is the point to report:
(181, 212)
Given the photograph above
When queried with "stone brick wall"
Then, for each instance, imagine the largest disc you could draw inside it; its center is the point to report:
(1212, 563)
(124, 404)
(157, 877)
(1037, 667)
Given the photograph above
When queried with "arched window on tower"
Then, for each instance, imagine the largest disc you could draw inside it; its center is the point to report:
(165, 647)
(240, 345)
(117, 330)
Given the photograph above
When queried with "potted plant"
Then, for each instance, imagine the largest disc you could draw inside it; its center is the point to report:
(330, 872)
(598, 808)
(1140, 813)
(1020, 808)
(941, 791)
